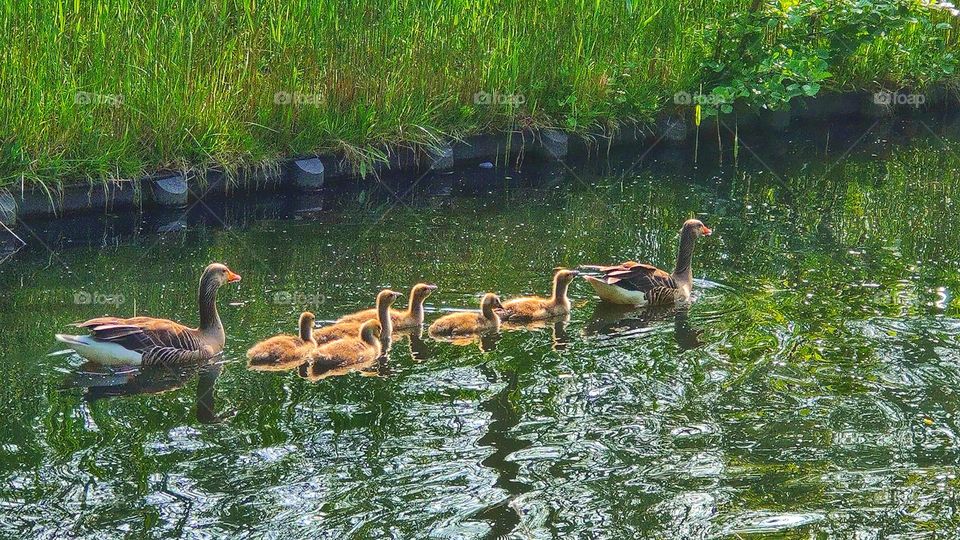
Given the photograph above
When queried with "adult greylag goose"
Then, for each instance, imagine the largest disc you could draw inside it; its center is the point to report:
(471, 322)
(533, 308)
(349, 329)
(146, 341)
(409, 318)
(285, 349)
(364, 347)
(636, 284)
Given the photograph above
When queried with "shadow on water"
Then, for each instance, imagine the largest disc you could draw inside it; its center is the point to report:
(502, 517)
(615, 322)
(98, 382)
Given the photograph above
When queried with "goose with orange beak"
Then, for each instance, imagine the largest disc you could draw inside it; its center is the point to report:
(147, 341)
(636, 284)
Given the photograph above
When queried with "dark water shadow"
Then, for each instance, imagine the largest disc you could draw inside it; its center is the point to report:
(315, 373)
(560, 338)
(419, 350)
(486, 342)
(504, 417)
(100, 382)
(613, 321)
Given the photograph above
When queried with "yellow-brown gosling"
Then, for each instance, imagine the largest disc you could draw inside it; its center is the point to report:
(349, 329)
(364, 347)
(533, 308)
(409, 318)
(285, 349)
(470, 323)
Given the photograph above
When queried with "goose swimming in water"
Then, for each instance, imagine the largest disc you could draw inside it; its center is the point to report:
(636, 284)
(147, 341)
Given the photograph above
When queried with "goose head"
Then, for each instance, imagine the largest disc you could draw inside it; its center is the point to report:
(214, 275)
(217, 274)
(696, 227)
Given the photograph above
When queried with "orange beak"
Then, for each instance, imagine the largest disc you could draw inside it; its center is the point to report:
(232, 278)
(707, 231)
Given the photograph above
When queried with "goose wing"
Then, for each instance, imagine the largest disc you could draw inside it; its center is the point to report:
(636, 276)
(157, 340)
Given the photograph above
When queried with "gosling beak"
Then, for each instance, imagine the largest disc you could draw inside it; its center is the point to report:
(707, 231)
(232, 278)
(431, 287)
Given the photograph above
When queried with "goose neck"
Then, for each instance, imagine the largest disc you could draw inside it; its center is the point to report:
(682, 271)
(209, 316)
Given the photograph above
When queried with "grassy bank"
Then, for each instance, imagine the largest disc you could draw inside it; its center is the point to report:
(115, 89)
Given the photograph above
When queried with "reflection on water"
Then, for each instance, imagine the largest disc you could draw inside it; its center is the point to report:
(502, 516)
(318, 372)
(99, 382)
(808, 392)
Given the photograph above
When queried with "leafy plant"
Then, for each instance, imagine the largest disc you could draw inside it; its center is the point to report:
(776, 51)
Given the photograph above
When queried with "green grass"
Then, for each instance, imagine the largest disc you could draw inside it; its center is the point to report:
(168, 84)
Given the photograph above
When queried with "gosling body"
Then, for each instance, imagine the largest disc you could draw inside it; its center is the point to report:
(363, 347)
(470, 323)
(349, 329)
(285, 349)
(535, 308)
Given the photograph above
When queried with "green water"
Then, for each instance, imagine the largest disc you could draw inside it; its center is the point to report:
(809, 392)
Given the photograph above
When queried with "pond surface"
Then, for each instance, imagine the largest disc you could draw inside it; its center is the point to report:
(809, 392)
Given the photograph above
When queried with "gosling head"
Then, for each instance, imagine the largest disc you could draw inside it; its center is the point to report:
(696, 227)
(490, 301)
(370, 332)
(387, 297)
(564, 275)
(306, 325)
(421, 291)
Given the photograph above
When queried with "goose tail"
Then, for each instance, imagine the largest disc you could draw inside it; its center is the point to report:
(70, 340)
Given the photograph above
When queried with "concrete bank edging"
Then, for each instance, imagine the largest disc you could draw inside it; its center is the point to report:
(310, 173)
